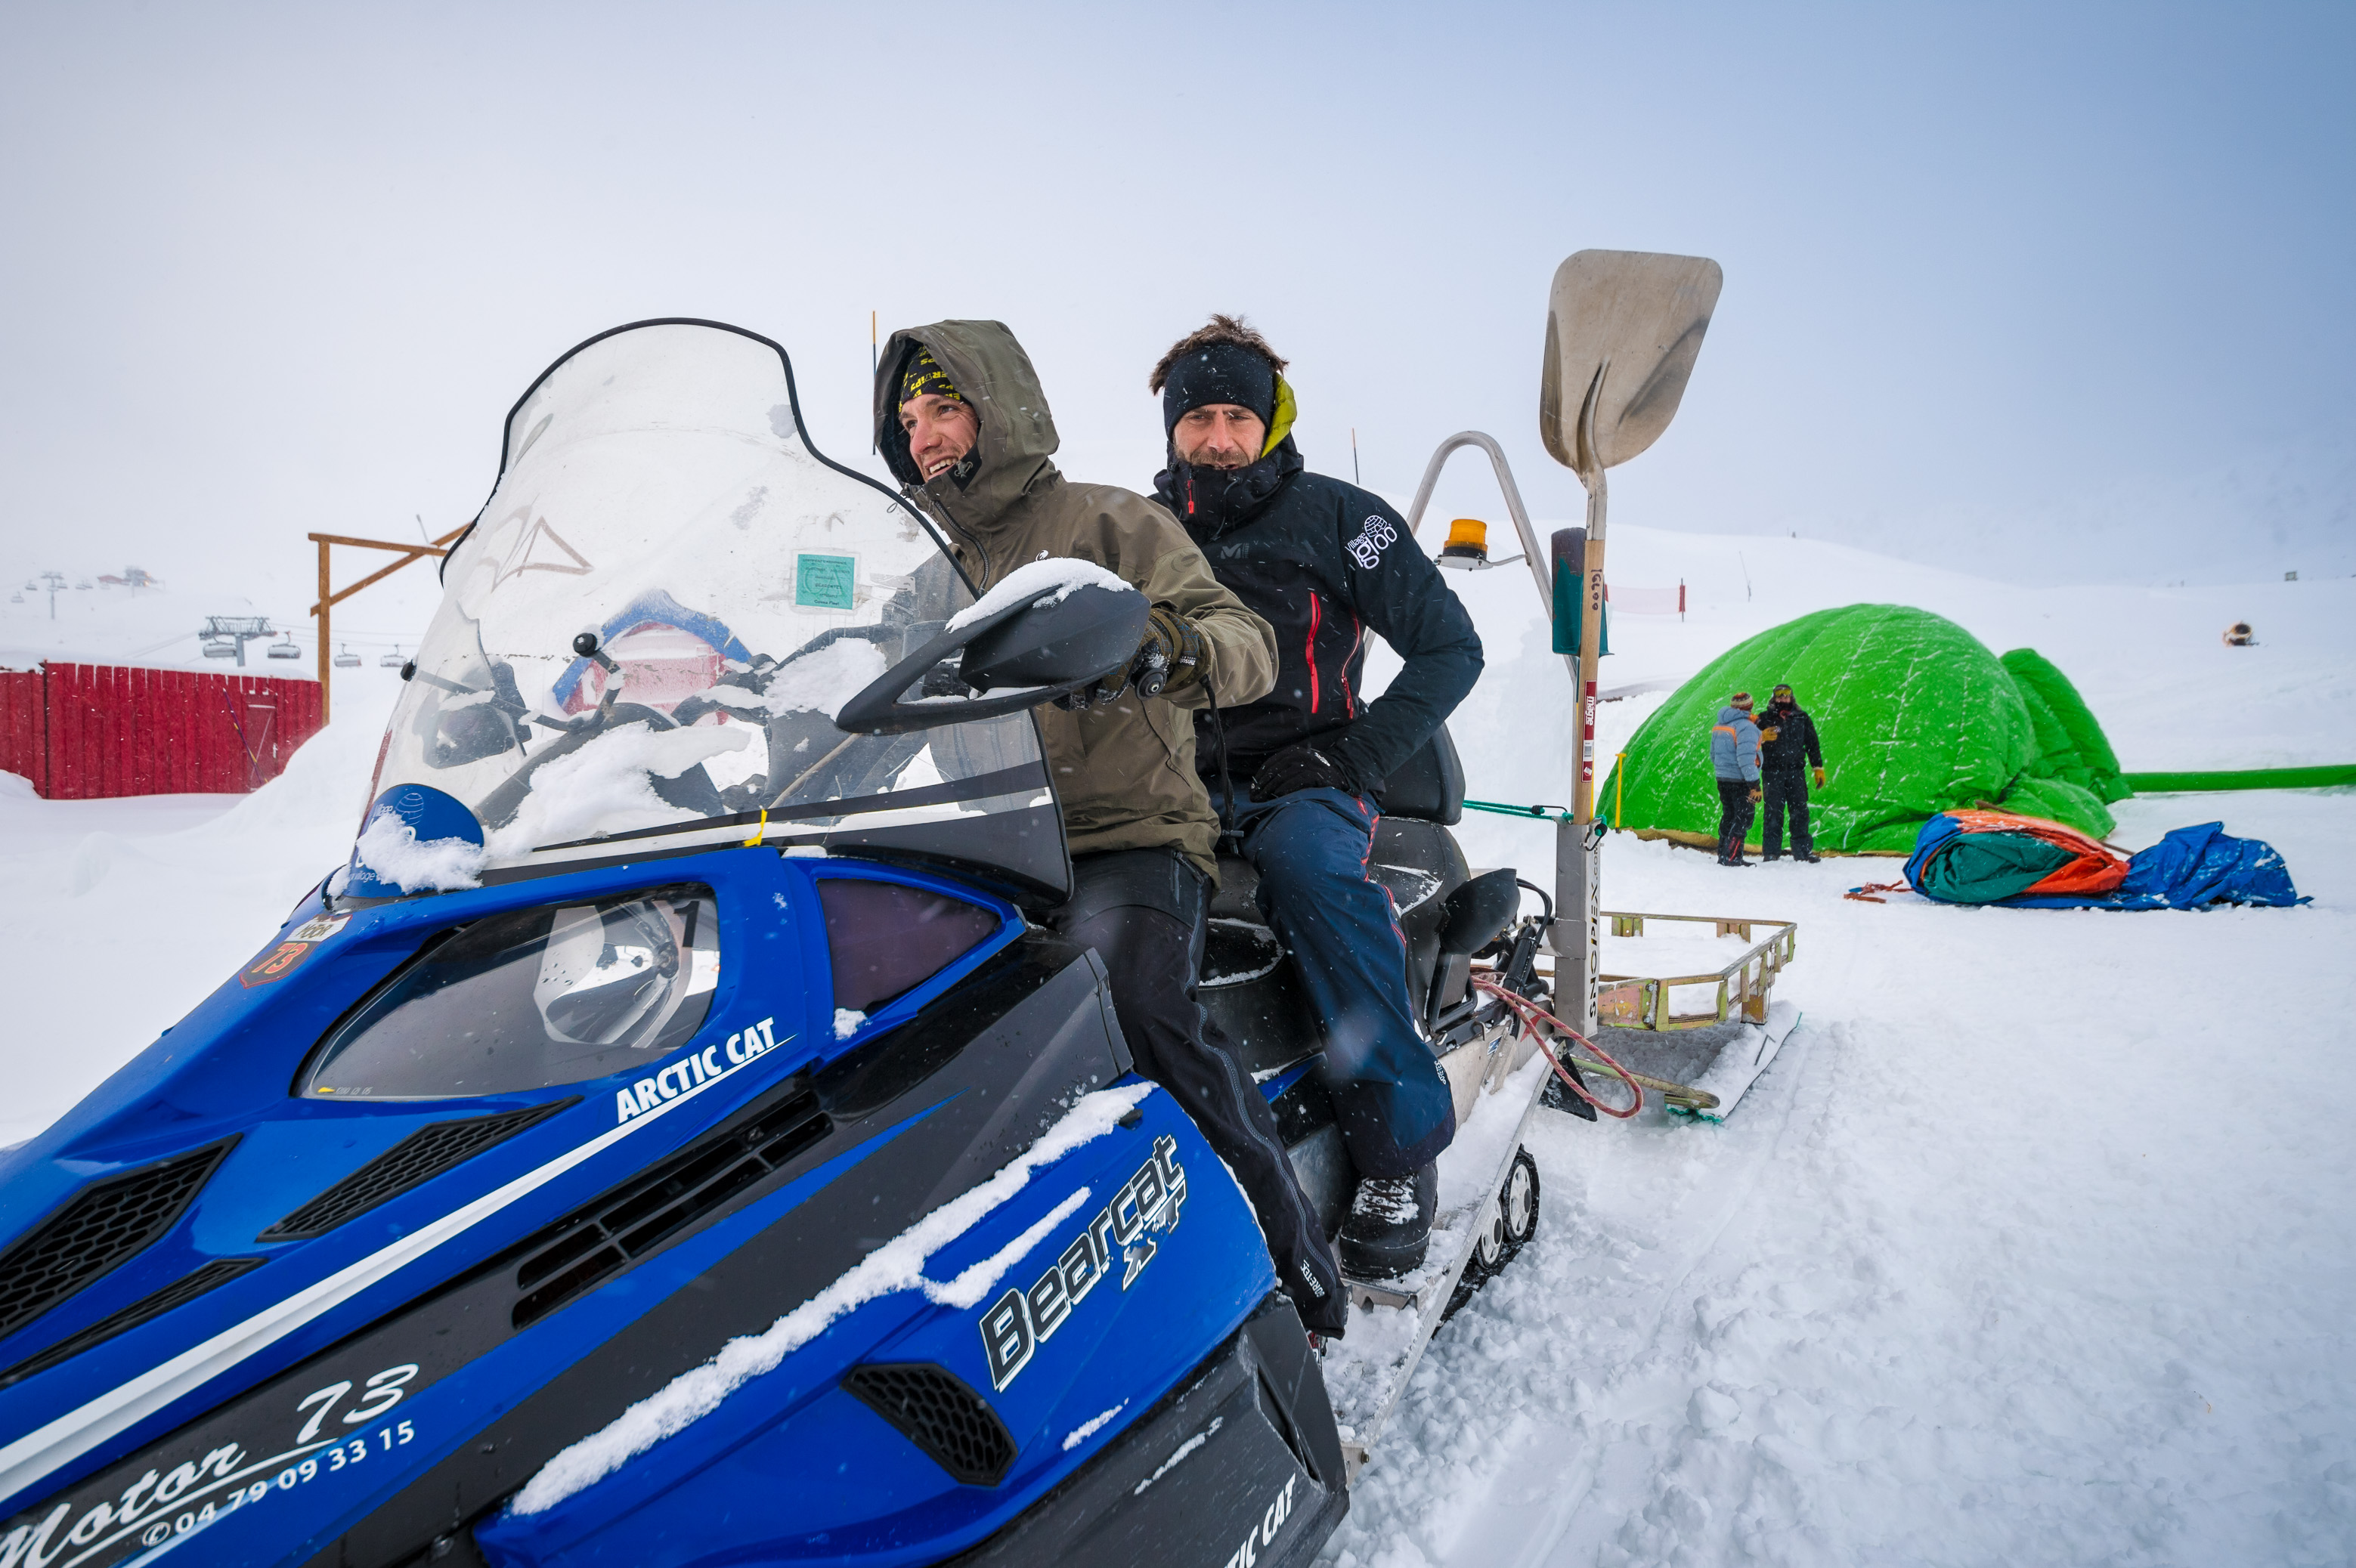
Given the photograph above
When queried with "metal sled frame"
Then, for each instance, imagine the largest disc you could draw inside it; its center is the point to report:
(1642, 1001)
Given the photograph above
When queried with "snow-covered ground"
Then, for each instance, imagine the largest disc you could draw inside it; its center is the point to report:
(2036, 1245)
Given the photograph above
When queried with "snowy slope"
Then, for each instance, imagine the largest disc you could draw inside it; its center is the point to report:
(2034, 1246)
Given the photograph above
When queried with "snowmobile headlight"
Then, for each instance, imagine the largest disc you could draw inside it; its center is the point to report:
(531, 1000)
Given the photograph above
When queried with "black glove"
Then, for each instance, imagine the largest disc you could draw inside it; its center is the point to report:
(1170, 658)
(1300, 766)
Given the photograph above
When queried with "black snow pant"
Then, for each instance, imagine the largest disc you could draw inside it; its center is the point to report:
(1787, 790)
(1144, 913)
(1734, 807)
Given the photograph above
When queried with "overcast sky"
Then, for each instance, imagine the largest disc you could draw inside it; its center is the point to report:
(2044, 291)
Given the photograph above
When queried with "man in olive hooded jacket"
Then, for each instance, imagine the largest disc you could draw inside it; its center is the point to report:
(963, 425)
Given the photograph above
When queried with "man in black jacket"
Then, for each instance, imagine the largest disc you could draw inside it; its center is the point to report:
(1787, 739)
(1324, 563)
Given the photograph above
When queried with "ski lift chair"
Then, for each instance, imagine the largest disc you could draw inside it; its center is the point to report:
(392, 660)
(289, 649)
(346, 659)
(221, 647)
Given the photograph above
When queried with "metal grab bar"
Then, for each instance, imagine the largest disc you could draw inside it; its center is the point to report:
(1538, 558)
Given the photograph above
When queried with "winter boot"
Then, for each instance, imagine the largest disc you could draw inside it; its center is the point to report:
(1810, 856)
(1389, 1225)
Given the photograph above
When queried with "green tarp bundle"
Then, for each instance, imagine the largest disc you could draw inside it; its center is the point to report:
(1916, 717)
(1981, 867)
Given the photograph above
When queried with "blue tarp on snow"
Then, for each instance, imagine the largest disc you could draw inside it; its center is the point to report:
(2191, 868)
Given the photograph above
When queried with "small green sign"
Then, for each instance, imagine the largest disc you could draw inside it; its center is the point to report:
(824, 581)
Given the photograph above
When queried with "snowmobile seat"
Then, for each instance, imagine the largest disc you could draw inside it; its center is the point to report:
(1471, 916)
(1427, 786)
(1248, 984)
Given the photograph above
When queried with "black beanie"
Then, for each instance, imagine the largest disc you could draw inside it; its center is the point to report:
(1219, 373)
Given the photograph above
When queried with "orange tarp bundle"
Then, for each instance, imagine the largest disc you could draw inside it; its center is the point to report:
(2093, 867)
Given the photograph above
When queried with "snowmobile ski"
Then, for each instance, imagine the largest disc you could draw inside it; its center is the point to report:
(1392, 1321)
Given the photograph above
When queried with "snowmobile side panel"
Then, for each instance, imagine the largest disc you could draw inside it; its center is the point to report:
(1240, 1464)
(793, 1466)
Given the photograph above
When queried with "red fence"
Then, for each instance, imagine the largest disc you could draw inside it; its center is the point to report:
(80, 731)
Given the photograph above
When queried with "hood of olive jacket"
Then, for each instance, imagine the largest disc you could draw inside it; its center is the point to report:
(1124, 771)
(993, 375)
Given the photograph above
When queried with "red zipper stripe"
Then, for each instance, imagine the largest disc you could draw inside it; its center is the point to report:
(1316, 614)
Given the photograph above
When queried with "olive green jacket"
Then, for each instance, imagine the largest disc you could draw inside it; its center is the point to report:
(1125, 773)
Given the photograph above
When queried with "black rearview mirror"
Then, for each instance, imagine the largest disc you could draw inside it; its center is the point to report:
(1015, 658)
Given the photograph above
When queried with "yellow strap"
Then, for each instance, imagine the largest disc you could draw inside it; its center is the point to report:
(1286, 412)
(758, 828)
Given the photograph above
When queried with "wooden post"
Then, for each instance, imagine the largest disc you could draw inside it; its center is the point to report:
(326, 598)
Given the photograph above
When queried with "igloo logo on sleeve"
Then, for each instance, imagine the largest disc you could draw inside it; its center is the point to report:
(1377, 537)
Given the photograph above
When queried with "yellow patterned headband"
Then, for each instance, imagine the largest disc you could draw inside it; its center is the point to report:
(922, 376)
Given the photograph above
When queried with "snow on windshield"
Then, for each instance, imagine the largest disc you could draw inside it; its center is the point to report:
(661, 608)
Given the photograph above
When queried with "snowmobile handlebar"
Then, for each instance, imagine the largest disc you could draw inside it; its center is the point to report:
(1038, 651)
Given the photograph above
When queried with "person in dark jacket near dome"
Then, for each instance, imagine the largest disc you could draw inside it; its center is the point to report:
(1324, 563)
(1787, 746)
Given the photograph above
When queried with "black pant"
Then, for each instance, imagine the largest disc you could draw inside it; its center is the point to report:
(1787, 790)
(1734, 817)
(1144, 912)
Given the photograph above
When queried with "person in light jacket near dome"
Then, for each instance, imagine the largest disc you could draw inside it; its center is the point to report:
(1734, 758)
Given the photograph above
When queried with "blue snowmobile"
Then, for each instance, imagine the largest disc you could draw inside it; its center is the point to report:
(666, 1140)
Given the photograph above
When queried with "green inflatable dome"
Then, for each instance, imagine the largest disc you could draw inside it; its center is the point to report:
(1915, 715)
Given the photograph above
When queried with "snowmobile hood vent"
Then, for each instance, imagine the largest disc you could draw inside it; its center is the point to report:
(934, 1409)
(418, 1157)
(605, 1236)
(101, 1226)
(185, 1289)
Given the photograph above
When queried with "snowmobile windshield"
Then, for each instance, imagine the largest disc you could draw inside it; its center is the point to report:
(643, 643)
(531, 999)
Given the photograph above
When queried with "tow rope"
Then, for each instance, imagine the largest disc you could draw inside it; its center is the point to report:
(1531, 1015)
(1545, 813)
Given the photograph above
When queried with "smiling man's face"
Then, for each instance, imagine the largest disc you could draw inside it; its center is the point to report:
(941, 430)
